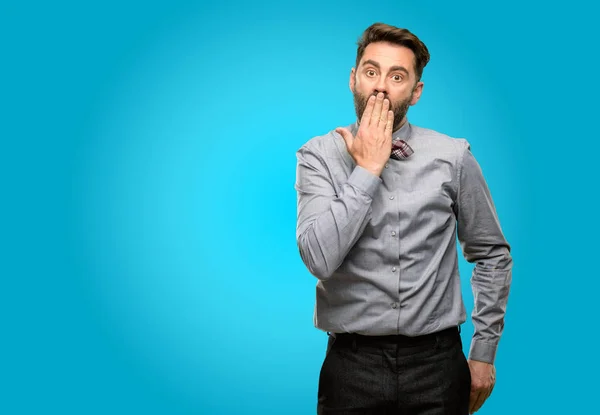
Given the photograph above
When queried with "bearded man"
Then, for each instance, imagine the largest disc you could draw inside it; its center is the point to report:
(380, 206)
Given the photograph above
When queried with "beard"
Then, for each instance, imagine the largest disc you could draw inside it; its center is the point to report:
(400, 108)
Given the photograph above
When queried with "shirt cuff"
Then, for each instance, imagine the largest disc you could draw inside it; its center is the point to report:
(483, 352)
(365, 181)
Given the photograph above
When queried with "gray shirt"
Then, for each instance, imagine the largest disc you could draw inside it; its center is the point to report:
(384, 248)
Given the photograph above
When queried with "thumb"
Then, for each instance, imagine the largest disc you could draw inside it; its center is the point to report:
(346, 135)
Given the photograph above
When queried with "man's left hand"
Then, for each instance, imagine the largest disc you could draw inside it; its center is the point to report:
(483, 379)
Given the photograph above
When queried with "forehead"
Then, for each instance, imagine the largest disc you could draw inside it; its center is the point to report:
(389, 54)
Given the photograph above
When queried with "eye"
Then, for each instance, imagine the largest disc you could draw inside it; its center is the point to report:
(397, 78)
(370, 72)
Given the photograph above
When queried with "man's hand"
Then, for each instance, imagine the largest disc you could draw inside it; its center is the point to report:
(372, 146)
(483, 379)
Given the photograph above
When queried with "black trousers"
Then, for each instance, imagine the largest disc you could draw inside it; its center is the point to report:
(426, 375)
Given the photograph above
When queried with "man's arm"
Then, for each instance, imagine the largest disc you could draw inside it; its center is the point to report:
(484, 244)
(329, 224)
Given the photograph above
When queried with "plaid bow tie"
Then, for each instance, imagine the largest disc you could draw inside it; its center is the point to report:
(401, 150)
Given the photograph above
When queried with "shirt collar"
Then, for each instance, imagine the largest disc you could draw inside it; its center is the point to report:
(403, 132)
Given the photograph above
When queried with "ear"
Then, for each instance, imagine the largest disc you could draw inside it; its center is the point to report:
(352, 83)
(417, 93)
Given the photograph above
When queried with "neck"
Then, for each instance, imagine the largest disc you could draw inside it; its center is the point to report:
(404, 120)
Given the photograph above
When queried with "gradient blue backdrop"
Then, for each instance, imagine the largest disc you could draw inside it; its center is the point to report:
(149, 263)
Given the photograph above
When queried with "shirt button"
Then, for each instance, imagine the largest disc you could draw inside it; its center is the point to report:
(393, 269)
(393, 233)
(391, 197)
(394, 305)
(386, 166)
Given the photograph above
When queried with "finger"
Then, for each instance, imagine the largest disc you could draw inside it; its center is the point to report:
(473, 400)
(389, 125)
(489, 392)
(377, 110)
(366, 117)
(479, 402)
(346, 135)
(492, 384)
(383, 117)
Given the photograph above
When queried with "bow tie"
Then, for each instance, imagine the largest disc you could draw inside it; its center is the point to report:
(401, 150)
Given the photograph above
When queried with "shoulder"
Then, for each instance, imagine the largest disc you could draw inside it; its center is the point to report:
(326, 146)
(440, 144)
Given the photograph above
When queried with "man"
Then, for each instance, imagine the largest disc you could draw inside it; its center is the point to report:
(380, 204)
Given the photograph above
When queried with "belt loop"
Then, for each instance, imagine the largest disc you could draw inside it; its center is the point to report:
(354, 347)
(459, 329)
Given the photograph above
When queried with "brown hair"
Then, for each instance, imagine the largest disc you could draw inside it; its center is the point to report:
(381, 32)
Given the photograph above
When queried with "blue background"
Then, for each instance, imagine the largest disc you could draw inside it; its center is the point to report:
(148, 260)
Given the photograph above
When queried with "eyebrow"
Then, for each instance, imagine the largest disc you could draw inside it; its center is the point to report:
(392, 69)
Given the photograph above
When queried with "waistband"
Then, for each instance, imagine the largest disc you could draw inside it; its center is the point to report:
(394, 339)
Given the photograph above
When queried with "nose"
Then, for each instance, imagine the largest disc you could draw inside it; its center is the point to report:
(380, 86)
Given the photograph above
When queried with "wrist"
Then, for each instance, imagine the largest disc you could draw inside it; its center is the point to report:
(375, 169)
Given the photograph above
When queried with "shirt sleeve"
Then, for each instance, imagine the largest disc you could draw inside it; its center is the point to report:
(329, 224)
(483, 243)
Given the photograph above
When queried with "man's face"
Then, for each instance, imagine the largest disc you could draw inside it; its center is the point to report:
(387, 68)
